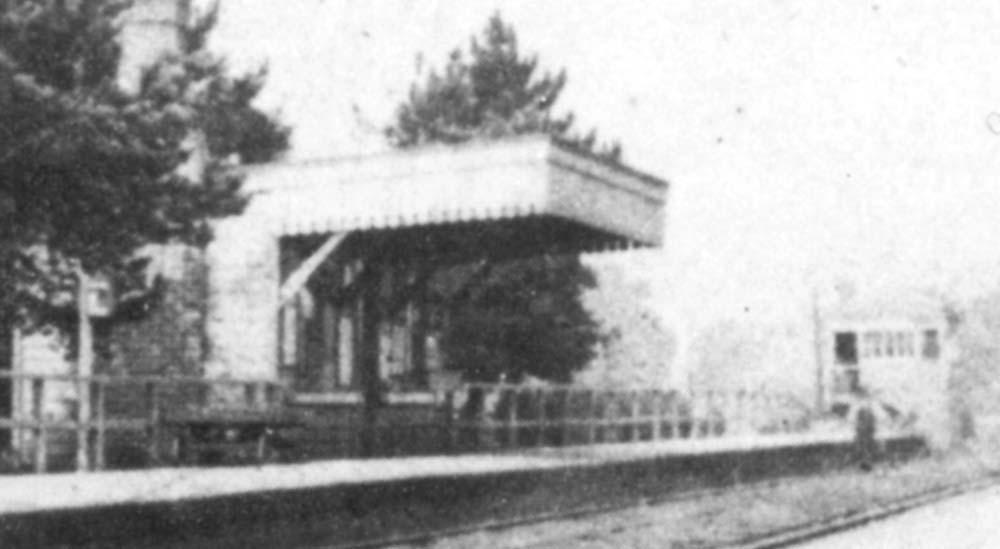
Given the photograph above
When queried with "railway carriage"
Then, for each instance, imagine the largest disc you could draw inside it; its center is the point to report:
(896, 348)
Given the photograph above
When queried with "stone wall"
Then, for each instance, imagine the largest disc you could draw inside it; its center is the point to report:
(165, 336)
(242, 300)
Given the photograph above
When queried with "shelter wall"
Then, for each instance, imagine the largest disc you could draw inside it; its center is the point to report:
(242, 311)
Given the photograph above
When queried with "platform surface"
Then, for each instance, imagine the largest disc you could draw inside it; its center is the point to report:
(34, 493)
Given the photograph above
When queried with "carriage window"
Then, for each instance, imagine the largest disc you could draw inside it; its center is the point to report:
(931, 348)
(846, 347)
(869, 343)
(876, 342)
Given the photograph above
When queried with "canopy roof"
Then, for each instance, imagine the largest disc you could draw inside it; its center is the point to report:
(525, 182)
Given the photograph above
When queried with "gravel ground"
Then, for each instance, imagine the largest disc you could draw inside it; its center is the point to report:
(746, 510)
(964, 522)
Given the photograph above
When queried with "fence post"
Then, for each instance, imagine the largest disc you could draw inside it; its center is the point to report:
(153, 420)
(692, 418)
(449, 421)
(565, 411)
(755, 409)
(701, 422)
(82, 424)
(675, 416)
(710, 414)
(768, 407)
(37, 413)
(591, 417)
(636, 413)
(657, 415)
(99, 400)
(511, 418)
(540, 441)
(724, 413)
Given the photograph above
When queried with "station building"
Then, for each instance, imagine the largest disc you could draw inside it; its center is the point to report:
(332, 278)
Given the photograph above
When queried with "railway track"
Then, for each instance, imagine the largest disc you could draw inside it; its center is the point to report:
(797, 534)
(779, 538)
(427, 537)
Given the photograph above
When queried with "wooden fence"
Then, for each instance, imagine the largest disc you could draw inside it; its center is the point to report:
(134, 411)
(83, 412)
(517, 416)
(500, 417)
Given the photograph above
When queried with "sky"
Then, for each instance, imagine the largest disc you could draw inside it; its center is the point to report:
(805, 141)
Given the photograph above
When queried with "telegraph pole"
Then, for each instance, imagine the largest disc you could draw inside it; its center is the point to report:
(817, 323)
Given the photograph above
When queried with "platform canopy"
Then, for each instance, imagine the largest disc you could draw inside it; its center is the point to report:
(530, 189)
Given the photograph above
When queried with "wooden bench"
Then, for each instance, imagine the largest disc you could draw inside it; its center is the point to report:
(219, 435)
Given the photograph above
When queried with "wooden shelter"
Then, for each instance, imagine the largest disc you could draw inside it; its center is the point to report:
(324, 279)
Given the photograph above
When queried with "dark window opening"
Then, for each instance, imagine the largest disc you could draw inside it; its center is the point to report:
(846, 348)
(932, 348)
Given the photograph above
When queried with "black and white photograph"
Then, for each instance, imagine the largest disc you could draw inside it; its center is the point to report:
(470, 274)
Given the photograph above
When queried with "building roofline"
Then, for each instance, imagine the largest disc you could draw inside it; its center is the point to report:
(547, 147)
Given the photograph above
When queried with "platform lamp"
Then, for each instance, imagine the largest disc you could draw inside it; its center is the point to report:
(95, 299)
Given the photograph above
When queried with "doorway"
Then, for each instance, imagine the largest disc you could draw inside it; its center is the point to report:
(845, 351)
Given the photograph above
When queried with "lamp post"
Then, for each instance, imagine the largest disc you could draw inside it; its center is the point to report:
(84, 368)
(93, 300)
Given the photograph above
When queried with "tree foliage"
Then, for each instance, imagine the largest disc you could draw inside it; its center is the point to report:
(490, 92)
(522, 317)
(89, 173)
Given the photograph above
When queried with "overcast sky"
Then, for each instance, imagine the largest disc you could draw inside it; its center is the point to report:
(800, 137)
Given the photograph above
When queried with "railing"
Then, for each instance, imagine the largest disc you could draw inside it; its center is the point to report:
(82, 412)
(136, 412)
(482, 417)
(518, 416)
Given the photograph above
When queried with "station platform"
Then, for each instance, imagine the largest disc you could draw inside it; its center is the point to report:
(359, 498)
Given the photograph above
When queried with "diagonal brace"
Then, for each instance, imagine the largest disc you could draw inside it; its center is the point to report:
(300, 275)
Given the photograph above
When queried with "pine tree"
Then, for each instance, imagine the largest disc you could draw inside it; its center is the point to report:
(522, 317)
(492, 92)
(89, 173)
